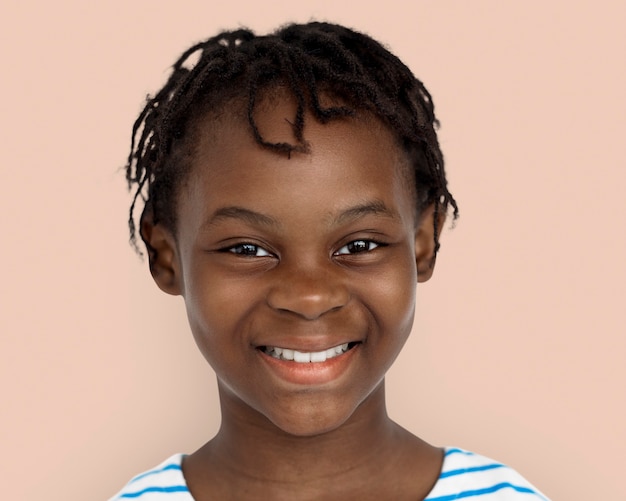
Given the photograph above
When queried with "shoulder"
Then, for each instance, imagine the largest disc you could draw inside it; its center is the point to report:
(164, 482)
(468, 475)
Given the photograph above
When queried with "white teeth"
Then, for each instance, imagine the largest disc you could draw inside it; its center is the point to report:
(305, 357)
(318, 356)
(340, 349)
(300, 357)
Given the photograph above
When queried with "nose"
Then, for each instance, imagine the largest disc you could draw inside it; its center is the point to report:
(308, 293)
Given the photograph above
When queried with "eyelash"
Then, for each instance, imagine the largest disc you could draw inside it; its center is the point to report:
(369, 246)
(247, 250)
(253, 250)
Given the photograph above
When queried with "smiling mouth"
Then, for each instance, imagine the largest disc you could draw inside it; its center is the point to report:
(304, 357)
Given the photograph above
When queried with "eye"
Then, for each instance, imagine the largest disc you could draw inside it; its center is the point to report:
(250, 250)
(357, 246)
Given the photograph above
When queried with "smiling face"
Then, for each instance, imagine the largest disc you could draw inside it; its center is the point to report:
(298, 273)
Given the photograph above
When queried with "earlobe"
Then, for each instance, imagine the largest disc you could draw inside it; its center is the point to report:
(162, 255)
(425, 242)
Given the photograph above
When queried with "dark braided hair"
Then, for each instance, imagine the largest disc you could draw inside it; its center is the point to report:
(309, 60)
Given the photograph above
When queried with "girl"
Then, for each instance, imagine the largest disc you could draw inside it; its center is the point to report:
(294, 195)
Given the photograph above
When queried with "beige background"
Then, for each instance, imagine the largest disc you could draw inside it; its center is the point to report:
(518, 350)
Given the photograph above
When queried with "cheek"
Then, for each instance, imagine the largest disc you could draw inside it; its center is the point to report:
(389, 298)
(396, 295)
(214, 320)
(399, 314)
(215, 309)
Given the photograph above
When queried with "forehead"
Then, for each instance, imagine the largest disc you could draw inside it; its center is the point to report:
(358, 153)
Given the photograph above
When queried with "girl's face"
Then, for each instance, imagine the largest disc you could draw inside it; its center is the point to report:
(313, 257)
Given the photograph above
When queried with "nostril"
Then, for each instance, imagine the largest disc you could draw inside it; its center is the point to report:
(308, 304)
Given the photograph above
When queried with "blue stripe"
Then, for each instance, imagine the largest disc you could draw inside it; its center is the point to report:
(154, 472)
(174, 488)
(472, 469)
(458, 451)
(480, 492)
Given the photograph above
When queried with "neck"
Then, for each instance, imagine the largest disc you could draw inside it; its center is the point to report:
(366, 457)
(249, 448)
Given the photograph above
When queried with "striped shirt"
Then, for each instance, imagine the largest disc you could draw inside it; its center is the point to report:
(464, 475)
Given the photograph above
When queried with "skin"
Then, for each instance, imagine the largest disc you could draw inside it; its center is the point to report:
(304, 252)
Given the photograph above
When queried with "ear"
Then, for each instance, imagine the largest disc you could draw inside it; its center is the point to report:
(425, 250)
(162, 254)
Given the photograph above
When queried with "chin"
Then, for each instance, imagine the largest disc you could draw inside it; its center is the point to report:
(315, 416)
(310, 426)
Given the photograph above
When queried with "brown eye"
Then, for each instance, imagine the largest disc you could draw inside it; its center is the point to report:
(248, 250)
(357, 246)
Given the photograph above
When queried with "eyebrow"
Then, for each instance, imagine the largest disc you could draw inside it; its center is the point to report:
(234, 212)
(375, 207)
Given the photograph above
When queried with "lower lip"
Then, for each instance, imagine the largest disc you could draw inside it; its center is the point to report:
(310, 373)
